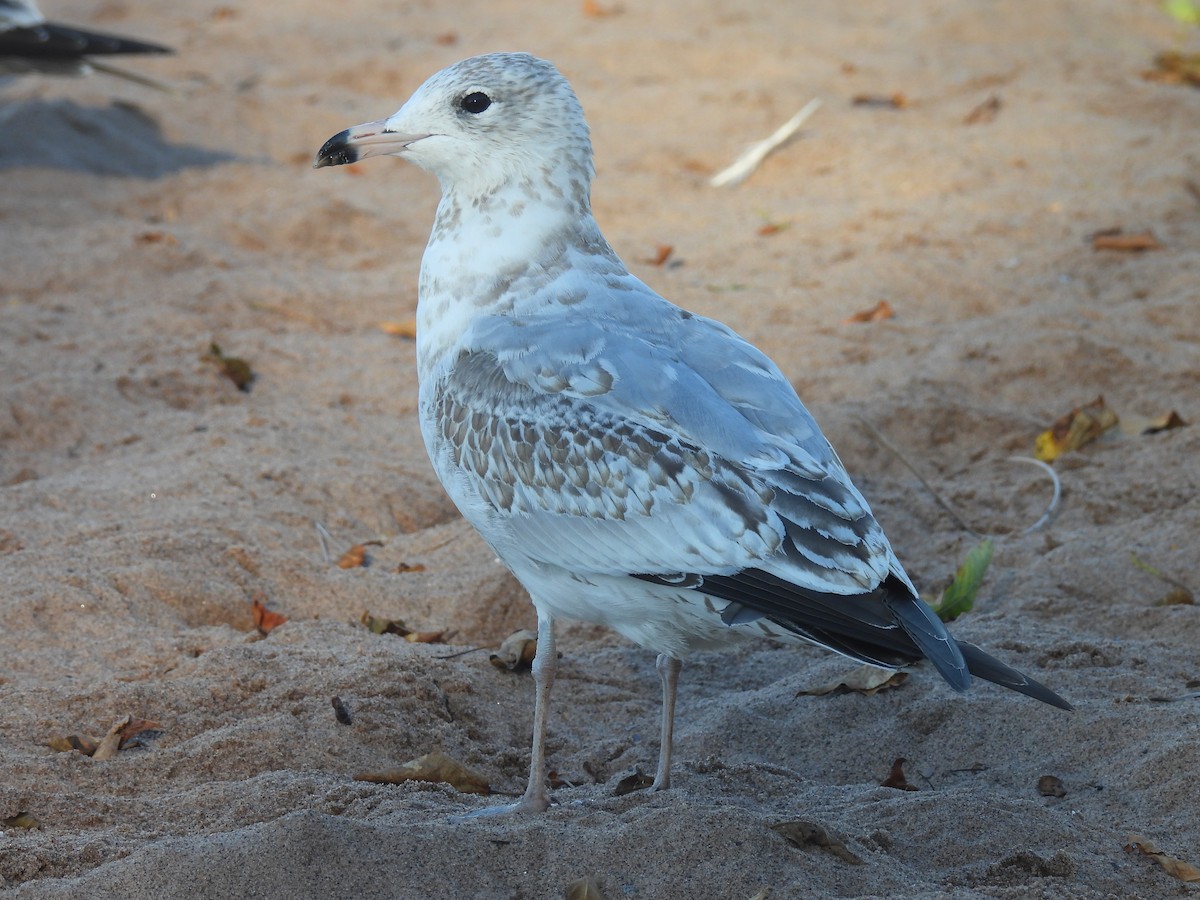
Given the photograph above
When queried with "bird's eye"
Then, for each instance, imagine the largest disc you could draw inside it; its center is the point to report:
(475, 102)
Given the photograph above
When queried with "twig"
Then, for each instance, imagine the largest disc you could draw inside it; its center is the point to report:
(1053, 507)
(136, 78)
(750, 160)
(878, 435)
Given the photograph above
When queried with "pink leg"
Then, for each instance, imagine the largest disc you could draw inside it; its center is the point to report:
(668, 670)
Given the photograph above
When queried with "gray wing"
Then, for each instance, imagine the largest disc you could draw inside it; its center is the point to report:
(661, 445)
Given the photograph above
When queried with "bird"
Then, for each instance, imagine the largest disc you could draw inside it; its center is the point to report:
(29, 43)
(634, 464)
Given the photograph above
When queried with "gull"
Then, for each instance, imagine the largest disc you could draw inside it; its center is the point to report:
(28, 43)
(633, 464)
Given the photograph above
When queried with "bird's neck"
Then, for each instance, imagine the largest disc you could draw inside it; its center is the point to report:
(496, 254)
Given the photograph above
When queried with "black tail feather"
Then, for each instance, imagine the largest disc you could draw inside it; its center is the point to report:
(987, 667)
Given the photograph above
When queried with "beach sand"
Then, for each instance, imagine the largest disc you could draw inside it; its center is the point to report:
(146, 503)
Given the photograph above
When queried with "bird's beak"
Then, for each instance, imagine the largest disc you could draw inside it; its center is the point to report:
(361, 141)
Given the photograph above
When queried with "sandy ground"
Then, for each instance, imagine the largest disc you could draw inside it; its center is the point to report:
(146, 503)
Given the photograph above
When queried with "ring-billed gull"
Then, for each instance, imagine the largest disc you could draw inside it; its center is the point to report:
(28, 43)
(633, 464)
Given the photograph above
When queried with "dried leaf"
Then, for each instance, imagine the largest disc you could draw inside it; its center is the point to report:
(1051, 786)
(892, 101)
(584, 889)
(896, 777)
(265, 620)
(236, 370)
(137, 732)
(1177, 596)
(985, 112)
(806, 834)
(80, 743)
(1115, 239)
(1173, 67)
(516, 652)
(1175, 867)
(960, 596)
(405, 329)
(638, 781)
(21, 820)
(378, 625)
(1152, 425)
(773, 228)
(877, 313)
(866, 679)
(426, 637)
(410, 567)
(1072, 431)
(354, 557)
(593, 10)
(340, 711)
(435, 767)
(157, 237)
(111, 744)
(662, 253)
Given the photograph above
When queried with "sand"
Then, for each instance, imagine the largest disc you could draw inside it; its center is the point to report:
(146, 503)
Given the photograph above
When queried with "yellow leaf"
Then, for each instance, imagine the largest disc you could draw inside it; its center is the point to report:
(1078, 427)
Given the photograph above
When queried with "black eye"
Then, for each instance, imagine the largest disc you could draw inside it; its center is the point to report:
(475, 102)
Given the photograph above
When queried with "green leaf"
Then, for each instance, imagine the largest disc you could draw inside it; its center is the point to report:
(1186, 11)
(959, 597)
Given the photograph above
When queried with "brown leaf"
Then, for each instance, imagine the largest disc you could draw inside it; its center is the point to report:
(435, 767)
(157, 237)
(405, 329)
(985, 112)
(866, 679)
(340, 711)
(354, 557)
(81, 743)
(410, 567)
(21, 820)
(892, 101)
(1075, 429)
(379, 625)
(662, 253)
(1051, 786)
(805, 834)
(877, 313)
(638, 781)
(1115, 239)
(593, 10)
(516, 652)
(1174, 67)
(265, 620)
(1177, 596)
(584, 889)
(426, 637)
(236, 370)
(110, 745)
(896, 777)
(1175, 867)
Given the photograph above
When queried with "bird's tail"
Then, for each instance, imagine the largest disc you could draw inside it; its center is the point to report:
(987, 667)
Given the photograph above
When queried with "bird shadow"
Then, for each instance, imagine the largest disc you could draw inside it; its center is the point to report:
(119, 139)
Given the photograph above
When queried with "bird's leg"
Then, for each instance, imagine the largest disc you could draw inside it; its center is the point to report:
(537, 796)
(545, 664)
(668, 670)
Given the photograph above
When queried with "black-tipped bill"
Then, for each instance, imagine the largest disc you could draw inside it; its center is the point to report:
(361, 141)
